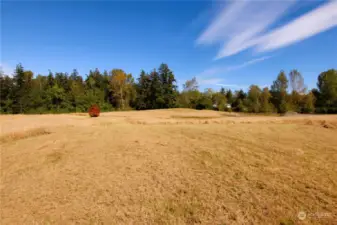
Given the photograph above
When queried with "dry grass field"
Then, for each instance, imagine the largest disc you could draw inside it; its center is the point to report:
(174, 166)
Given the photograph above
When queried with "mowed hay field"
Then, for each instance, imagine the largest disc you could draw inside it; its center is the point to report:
(174, 166)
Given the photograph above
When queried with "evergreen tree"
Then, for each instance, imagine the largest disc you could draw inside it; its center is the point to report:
(156, 94)
(279, 93)
(143, 91)
(93, 92)
(50, 80)
(21, 89)
(240, 101)
(38, 95)
(222, 91)
(169, 87)
(229, 96)
(6, 94)
(55, 98)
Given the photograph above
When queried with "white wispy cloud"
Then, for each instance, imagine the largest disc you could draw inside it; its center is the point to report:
(218, 70)
(250, 62)
(209, 81)
(207, 76)
(312, 23)
(6, 69)
(232, 85)
(244, 24)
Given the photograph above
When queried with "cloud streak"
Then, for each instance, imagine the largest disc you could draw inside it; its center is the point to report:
(205, 78)
(210, 81)
(312, 23)
(232, 86)
(6, 69)
(251, 62)
(217, 70)
(244, 24)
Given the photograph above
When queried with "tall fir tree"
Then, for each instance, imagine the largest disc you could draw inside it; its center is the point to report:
(279, 92)
(143, 91)
(156, 93)
(169, 87)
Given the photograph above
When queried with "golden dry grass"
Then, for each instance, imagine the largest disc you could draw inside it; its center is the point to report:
(23, 134)
(168, 167)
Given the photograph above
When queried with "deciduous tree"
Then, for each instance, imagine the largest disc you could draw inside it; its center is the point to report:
(121, 86)
(327, 87)
(254, 97)
(265, 99)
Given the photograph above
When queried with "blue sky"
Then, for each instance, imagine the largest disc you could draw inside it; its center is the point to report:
(231, 44)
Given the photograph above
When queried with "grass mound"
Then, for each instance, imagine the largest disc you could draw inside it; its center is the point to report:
(23, 135)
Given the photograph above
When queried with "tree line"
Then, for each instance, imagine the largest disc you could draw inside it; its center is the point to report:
(117, 90)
